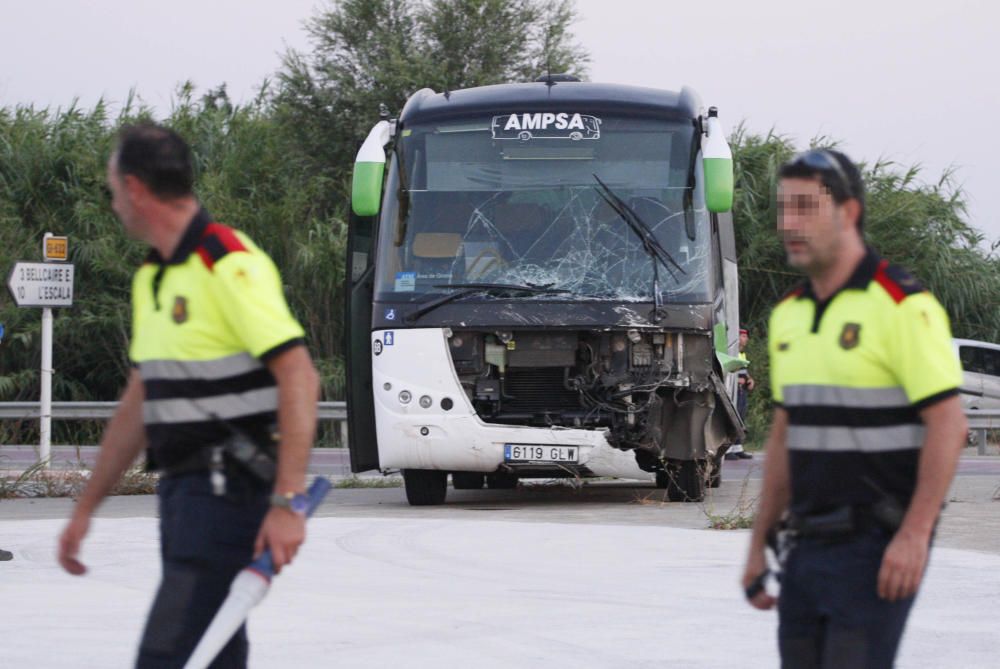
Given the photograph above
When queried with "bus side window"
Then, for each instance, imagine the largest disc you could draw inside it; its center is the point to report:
(361, 251)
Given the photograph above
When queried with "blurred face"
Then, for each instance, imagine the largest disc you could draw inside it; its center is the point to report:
(122, 198)
(812, 226)
(744, 340)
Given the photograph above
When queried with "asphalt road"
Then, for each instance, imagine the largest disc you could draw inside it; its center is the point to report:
(970, 520)
(325, 461)
(336, 461)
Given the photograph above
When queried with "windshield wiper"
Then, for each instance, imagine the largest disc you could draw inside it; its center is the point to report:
(650, 244)
(466, 289)
(642, 230)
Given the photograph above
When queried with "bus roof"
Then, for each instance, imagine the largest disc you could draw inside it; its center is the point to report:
(563, 96)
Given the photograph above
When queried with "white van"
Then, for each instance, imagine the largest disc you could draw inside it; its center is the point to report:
(980, 374)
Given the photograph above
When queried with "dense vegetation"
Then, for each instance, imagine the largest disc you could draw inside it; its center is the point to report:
(278, 167)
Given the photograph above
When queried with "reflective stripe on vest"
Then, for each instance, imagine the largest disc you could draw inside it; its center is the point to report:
(219, 368)
(862, 439)
(217, 407)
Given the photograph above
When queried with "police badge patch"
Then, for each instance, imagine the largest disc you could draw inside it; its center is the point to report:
(850, 336)
(180, 311)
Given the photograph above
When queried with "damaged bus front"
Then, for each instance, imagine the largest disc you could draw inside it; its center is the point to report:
(542, 282)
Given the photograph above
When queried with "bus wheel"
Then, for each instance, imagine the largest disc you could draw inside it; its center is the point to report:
(468, 480)
(501, 481)
(425, 487)
(685, 481)
(715, 474)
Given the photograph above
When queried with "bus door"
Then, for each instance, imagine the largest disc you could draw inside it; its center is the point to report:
(359, 283)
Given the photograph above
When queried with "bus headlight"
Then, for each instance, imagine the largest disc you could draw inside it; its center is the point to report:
(426, 401)
(405, 396)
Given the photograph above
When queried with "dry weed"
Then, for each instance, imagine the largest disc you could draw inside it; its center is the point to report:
(37, 481)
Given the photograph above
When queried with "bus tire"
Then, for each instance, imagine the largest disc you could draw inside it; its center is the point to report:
(425, 487)
(684, 482)
(715, 476)
(468, 480)
(501, 481)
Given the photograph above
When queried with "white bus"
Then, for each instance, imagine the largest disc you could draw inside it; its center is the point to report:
(542, 283)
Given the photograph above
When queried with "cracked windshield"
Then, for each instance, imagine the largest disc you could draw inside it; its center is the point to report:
(515, 199)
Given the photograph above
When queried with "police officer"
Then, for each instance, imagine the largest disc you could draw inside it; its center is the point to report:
(222, 395)
(745, 387)
(866, 433)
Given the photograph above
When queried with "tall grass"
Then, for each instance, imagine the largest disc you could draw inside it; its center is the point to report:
(52, 171)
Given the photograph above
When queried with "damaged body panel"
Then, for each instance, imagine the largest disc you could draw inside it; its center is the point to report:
(549, 247)
(652, 392)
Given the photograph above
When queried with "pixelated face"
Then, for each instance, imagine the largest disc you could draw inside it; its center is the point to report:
(810, 223)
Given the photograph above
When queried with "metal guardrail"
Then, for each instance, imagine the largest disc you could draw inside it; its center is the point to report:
(983, 420)
(60, 410)
(980, 422)
(333, 411)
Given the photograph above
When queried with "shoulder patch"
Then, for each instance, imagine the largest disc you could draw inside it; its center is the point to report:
(897, 281)
(218, 241)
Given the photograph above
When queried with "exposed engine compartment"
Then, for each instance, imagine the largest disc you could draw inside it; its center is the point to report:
(658, 393)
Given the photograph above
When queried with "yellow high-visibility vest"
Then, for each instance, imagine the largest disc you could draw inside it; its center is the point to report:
(204, 323)
(853, 373)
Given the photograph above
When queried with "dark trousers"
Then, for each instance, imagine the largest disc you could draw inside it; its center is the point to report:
(830, 615)
(205, 540)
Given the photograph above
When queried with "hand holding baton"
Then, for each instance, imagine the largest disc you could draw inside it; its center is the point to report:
(248, 589)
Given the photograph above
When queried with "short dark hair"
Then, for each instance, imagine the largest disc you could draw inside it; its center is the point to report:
(158, 157)
(843, 184)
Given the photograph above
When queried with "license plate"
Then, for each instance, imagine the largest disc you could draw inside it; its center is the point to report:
(538, 453)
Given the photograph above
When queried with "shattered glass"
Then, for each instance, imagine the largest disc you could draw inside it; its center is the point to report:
(528, 212)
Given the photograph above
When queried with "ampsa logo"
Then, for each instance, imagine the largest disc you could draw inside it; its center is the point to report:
(546, 125)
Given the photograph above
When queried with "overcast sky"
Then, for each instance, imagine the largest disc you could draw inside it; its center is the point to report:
(913, 81)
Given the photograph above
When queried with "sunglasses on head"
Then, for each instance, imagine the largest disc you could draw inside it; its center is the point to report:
(823, 161)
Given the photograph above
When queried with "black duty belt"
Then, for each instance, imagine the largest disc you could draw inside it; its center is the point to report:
(841, 523)
(237, 451)
(847, 521)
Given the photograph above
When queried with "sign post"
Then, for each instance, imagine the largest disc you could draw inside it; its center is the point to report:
(45, 415)
(48, 284)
